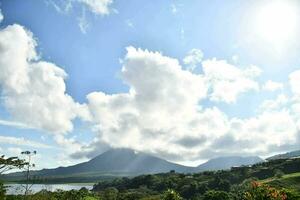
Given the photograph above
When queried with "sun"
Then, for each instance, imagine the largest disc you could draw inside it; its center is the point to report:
(277, 21)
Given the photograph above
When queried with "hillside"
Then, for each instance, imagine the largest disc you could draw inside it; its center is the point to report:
(289, 181)
(232, 183)
(119, 161)
(291, 154)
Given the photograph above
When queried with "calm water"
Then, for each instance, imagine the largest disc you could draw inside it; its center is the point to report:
(19, 189)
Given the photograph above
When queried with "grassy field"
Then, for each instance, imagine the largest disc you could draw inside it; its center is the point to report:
(289, 181)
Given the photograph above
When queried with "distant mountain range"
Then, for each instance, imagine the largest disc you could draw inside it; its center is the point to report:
(228, 162)
(127, 162)
(287, 155)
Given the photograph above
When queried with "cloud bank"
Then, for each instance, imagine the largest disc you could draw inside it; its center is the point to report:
(163, 113)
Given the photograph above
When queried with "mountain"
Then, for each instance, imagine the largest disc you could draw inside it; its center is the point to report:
(291, 154)
(228, 162)
(127, 162)
(115, 162)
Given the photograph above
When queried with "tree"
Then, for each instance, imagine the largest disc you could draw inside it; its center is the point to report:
(2, 191)
(278, 173)
(265, 192)
(110, 193)
(219, 184)
(29, 165)
(10, 163)
(171, 195)
(216, 195)
(7, 164)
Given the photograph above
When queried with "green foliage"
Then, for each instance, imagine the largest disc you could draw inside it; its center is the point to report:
(82, 194)
(110, 193)
(278, 173)
(220, 184)
(7, 164)
(260, 191)
(216, 195)
(242, 183)
(2, 191)
(171, 195)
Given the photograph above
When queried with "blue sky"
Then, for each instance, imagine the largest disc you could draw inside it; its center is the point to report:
(242, 59)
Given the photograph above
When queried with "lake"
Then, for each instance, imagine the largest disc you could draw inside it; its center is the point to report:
(19, 189)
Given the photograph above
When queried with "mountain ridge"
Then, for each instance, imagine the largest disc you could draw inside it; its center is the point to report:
(127, 162)
(286, 155)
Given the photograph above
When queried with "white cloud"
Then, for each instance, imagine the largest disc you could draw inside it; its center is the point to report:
(193, 58)
(14, 124)
(129, 23)
(275, 104)
(161, 107)
(83, 22)
(268, 128)
(235, 58)
(227, 81)
(174, 9)
(20, 141)
(34, 91)
(100, 7)
(1, 16)
(272, 86)
(162, 113)
(294, 79)
(14, 151)
(63, 7)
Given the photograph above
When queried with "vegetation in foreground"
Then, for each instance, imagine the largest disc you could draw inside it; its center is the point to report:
(273, 180)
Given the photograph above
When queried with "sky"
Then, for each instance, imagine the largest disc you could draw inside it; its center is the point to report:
(186, 81)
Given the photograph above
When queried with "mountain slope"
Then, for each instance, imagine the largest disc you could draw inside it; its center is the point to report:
(291, 154)
(121, 161)
(114, 162)
(228, 162)
(127, 162)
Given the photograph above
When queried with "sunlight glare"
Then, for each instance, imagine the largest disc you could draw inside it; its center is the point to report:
(277, 21)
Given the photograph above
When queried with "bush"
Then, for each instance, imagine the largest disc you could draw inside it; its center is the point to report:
(265, 192)
(216, 195)
(171, 195)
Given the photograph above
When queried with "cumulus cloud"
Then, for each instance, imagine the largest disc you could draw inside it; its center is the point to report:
(272, 86)
(161, 106)
(162, 113)
(34, 91)
(193, 58)
(279, 103)
(228, 81)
